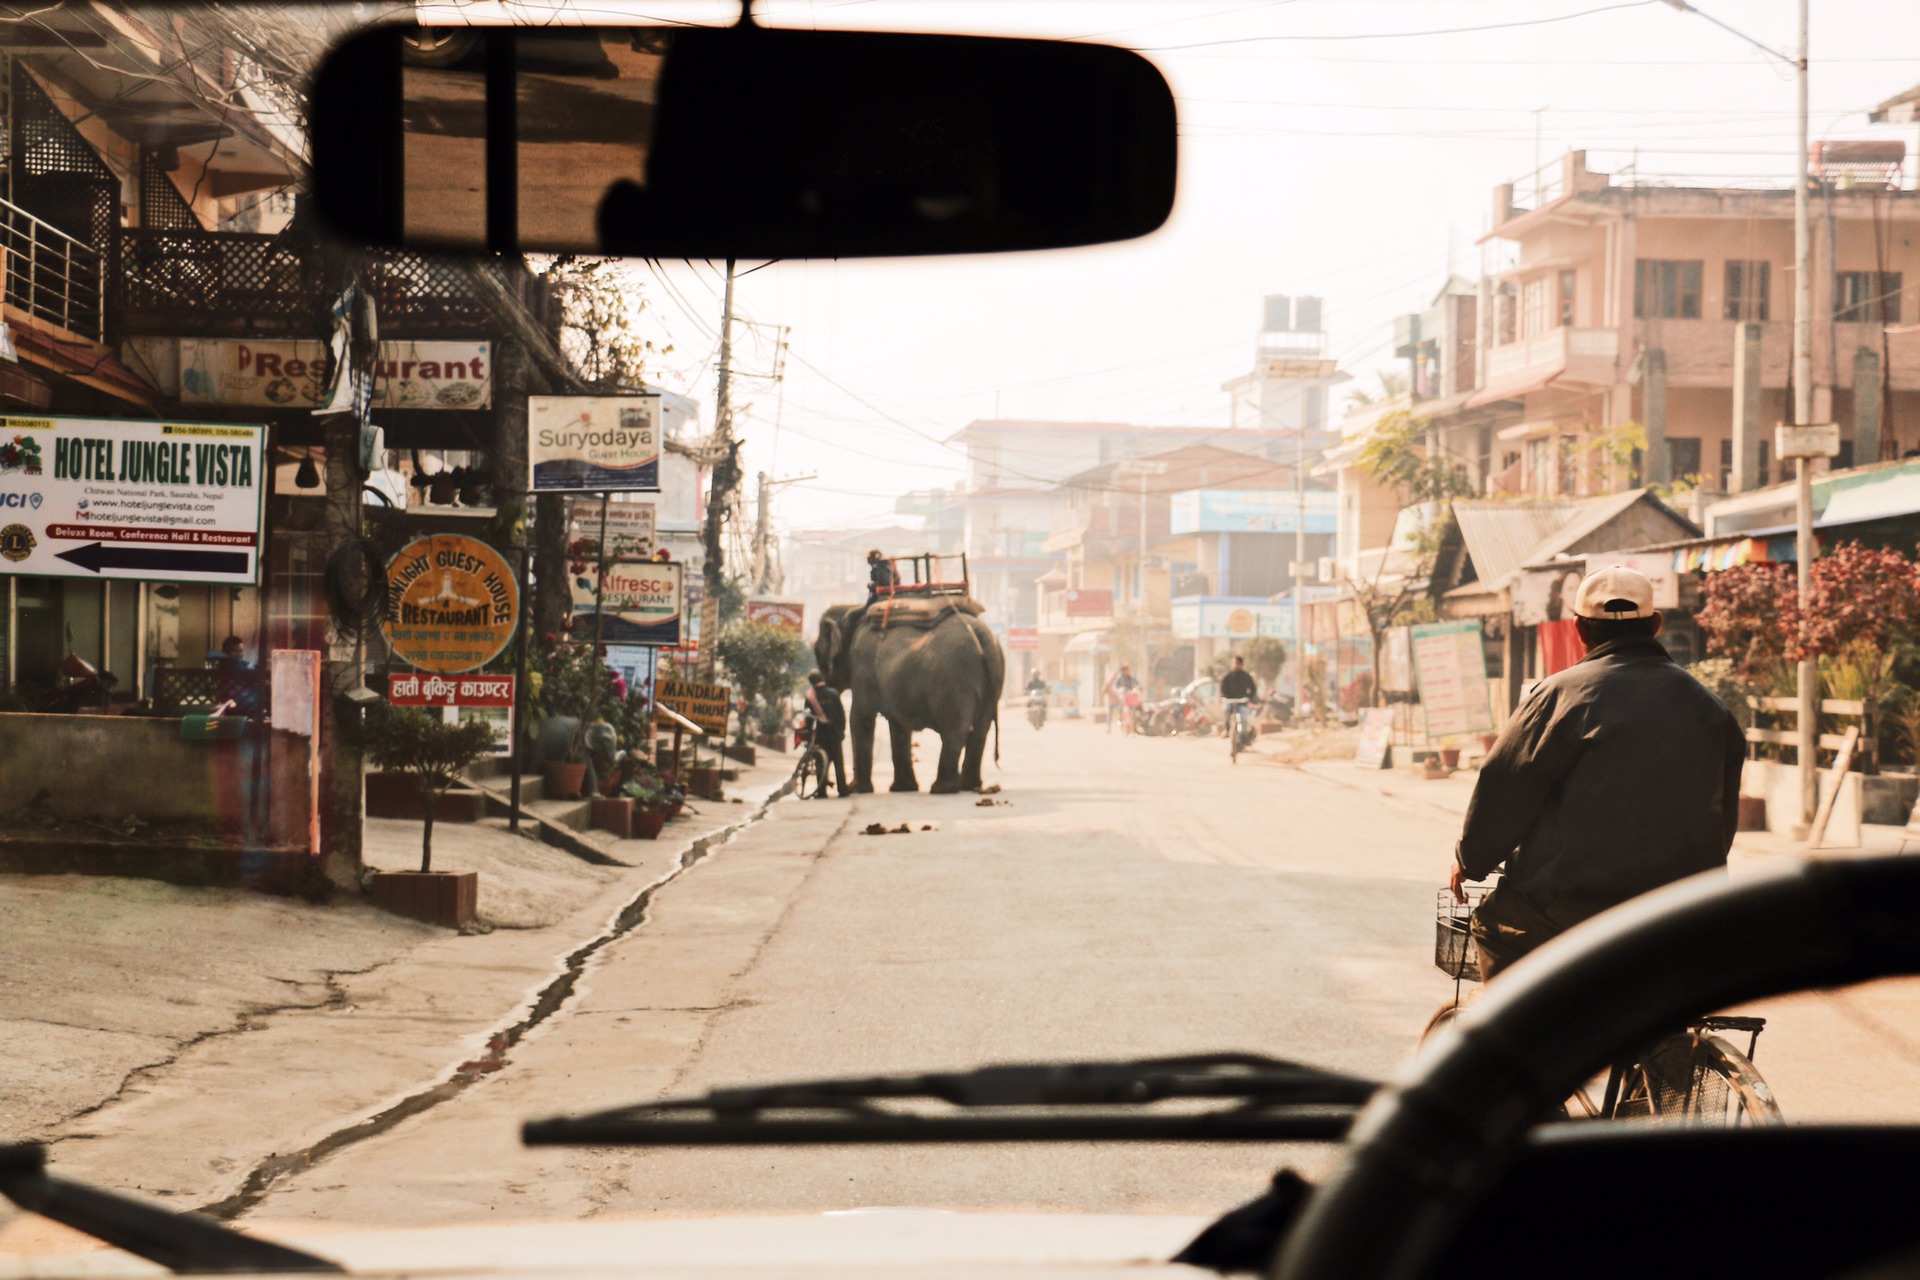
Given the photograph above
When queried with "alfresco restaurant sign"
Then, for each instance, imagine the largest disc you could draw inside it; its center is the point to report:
(641, 603)
(594, 443)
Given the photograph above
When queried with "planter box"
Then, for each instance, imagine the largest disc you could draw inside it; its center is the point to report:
(563, 781)
(448, 898)
(772, 741)
(703, 782)
(397, 795)
(745, 752)
(614, 814)
(1753, 813)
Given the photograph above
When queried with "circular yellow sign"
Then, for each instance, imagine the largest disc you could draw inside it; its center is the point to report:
(1240, 622)
(452, 603)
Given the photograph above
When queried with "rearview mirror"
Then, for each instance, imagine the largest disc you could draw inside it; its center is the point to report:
(740, 142)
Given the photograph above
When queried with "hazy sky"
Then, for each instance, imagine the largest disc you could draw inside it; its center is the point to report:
(1323, 150)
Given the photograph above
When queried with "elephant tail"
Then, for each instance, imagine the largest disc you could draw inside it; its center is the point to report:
(996, 733)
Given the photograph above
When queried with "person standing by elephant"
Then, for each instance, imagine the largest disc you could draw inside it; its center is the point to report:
(830, 730)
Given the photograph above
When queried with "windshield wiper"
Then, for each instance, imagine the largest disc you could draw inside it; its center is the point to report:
(181, 1242)
(1271, 1101)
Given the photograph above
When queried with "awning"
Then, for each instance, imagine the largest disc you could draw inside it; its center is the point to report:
(1725, 553)
(1883, 499)
(1094, 641)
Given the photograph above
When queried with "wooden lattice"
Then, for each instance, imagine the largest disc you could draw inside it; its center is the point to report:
(162, 207)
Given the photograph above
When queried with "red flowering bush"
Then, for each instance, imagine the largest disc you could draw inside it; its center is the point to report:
(1858, 596)
(1750, 616)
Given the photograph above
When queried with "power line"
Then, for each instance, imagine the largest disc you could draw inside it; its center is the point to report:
(1397, 35)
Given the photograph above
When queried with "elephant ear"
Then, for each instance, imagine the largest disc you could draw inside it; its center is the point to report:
(826, 643)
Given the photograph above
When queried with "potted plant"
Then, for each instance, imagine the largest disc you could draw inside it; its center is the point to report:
(1449, 753)
(436, 754)
(648, 796)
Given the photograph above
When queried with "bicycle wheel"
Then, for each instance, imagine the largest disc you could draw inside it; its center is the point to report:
(810, 775)
(1699, 1080)
(1233, 741)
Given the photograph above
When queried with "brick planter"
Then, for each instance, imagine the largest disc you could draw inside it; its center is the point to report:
(614, 814)
(447, 898)
(703, 782)
(744, 752)
(1753, 813)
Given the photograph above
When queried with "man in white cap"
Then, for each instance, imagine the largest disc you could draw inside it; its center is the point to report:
(1615, 776)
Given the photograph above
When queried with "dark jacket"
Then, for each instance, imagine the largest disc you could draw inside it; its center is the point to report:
(833, 716)
(1238, 684)
(1616, 776)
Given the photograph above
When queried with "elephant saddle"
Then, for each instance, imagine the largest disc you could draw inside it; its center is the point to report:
(919, 614)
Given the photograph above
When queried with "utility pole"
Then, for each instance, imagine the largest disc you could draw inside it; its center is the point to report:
(726, 475)
(763, 529)
(1807, 737)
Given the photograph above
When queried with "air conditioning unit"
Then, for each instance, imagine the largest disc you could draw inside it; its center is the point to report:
(1329, 569)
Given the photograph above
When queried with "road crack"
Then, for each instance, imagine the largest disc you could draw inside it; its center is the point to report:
(265, 1176)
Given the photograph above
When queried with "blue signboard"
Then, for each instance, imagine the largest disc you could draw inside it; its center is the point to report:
(1253, 511)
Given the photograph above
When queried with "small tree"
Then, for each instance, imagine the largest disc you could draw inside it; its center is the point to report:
(760, 660)
(1396, 454)
(434, 752)
(1265, 656)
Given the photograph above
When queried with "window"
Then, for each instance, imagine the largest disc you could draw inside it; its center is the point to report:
(1667, 289)
(1870, 297)
(1536, 315)
(1746, 296)
(1566, 299)
(1683, 456)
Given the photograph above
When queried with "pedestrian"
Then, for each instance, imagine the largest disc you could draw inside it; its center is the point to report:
(879, 575)
(1617, 775)
(830, 730)
(236, 685)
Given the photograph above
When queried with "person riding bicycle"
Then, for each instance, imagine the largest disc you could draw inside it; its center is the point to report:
(829, 731)
(1239, 683)
(1124, 693)
(1616, 776)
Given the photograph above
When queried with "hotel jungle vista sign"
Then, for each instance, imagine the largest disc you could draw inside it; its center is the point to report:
(153, 501)
(452, 603)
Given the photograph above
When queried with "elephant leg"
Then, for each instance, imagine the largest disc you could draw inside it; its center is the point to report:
(860, 727)
(903, 776)
(974, 762)
(947, 781)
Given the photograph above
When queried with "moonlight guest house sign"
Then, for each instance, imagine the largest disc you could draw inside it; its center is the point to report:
(451, 603)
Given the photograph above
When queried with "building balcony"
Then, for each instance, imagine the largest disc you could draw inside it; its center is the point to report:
(50, 277)
(1583, 357)
(218, 282)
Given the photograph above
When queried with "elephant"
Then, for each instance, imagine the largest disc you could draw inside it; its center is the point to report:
(928, 664)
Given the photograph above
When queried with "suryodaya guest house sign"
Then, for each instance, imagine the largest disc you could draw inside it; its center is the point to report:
(594, 443)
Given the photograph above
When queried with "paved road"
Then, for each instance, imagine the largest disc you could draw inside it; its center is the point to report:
(1132, 897)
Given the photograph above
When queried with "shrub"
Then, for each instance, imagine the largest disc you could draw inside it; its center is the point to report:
(434, 752)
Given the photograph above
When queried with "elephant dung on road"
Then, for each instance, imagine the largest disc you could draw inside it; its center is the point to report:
(923, 664)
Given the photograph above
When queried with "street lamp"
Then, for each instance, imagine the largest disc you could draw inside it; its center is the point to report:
(1803, 453)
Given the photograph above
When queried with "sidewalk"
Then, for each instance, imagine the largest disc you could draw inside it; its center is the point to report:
(192, 1042)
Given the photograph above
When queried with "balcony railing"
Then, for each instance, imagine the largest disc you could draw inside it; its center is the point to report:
(50, 275)
(251, 285)
(1574, 351)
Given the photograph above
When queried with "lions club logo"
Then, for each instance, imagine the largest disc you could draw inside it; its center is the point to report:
(17, 542)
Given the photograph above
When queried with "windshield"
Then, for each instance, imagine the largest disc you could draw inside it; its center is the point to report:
(444, 689)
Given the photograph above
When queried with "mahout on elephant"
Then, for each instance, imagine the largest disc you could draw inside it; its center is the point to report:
(927, 663)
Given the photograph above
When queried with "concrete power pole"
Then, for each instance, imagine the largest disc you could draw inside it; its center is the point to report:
(726, 476)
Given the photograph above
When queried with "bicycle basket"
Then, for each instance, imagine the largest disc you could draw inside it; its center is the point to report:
(1453, 950)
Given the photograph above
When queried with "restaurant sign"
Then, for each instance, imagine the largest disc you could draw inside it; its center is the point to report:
(452, 603)
(280, 374)
(639, 601)
(460, 699)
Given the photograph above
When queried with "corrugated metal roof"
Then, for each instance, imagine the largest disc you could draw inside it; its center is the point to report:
(1501, 536)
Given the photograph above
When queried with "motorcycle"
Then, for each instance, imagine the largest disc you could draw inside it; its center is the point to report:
(79, 684)
(1037, 710)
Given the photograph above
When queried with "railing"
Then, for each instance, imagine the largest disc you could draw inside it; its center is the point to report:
(50, 275)
(216, 281)
(1551, 349)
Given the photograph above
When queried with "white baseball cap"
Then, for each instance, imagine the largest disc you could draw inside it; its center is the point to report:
(1614, 593)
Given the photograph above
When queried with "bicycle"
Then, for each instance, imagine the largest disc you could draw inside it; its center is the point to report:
(1239, 728)
(812, 765)
(1696, 1076)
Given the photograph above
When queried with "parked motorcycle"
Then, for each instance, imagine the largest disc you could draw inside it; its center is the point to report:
(79, 684)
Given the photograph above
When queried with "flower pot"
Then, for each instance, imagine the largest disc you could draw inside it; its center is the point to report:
(1450, 757)
(448, 898)
(474, 495)
(1753, 813)
(647, 822)
(674, 810)
(704, 782)
(561, 781)
(440, 491)
(1487, 740)
(615, 814)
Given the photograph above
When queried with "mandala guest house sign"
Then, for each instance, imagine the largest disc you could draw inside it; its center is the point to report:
(452, 603)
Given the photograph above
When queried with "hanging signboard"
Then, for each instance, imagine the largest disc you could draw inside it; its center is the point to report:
(1023, 639)
(459, 699)
(1451, 664)
(784, 614)
(629, 526)
(278, 374)
(637, 664)
(594, 443)
(706, 705)
(640, 603)
(1083, 602)
(154, 501)
(452, 603)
